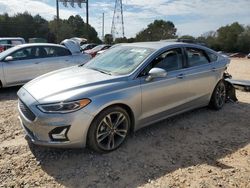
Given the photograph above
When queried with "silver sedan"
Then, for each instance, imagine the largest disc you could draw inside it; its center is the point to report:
(122, 90)
(22, 63)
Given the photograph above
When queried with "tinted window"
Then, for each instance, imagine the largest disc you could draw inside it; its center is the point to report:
(212, 56)
(196, 57)
(22, 54)
(4, 42)
(62, 51)
(55, 51)
(169, 60)
(16, 42)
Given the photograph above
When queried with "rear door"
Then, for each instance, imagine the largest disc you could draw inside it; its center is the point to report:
(55, 58)
(200, 74)
(23, 68)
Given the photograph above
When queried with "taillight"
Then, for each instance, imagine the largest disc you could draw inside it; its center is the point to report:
(1, 49)
(93, 54)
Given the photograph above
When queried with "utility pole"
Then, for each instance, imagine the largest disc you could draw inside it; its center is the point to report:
(87, 17)
(103, 26)
(123, 34)
(57, 20)
(72, 2)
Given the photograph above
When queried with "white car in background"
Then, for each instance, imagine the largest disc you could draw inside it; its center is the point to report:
(22, 63)
(8, 42)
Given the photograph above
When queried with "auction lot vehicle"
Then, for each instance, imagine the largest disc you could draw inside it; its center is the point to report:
(122, 90)
(93, 52)
(88, 46)
(8, 42)
(22, 63)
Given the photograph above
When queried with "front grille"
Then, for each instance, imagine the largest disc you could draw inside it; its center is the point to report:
(26, 111)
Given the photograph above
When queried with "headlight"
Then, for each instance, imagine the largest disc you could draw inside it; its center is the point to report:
(64, 107)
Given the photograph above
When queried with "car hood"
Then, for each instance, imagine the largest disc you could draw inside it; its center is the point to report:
(68, 84)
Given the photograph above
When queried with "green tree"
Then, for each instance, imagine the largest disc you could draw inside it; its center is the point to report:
(189, 37)
(228, 36)
(121, 40)
(243, 42)
(158, 30)
(108, 39)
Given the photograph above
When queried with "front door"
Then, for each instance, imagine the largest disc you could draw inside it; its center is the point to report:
(23, 68)
(162, 97)
(54, 58)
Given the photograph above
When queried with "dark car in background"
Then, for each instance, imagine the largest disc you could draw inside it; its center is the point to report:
(8, 42)
(96, 49)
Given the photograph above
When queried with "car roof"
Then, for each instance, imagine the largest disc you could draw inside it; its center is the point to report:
(11, 38)
(39, 44)
(159, 44)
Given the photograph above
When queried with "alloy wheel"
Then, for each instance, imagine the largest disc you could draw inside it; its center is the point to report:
(220, 95)
(112, 131)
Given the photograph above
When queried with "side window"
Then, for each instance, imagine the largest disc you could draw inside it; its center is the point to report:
(170, 60)
(62, 51)
(49, 51)
(212, 56)
(16, 42)
(22, 54)
(42, 52)
(196, 57)
(5, 42)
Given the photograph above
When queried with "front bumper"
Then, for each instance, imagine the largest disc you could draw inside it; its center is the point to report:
(40, 129)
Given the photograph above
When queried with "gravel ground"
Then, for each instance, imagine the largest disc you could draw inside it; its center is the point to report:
(202, 148)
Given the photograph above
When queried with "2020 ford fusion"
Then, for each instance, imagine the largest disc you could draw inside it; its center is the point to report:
(126, 88)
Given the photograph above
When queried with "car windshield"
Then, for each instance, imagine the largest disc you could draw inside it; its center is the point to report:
(120, 60)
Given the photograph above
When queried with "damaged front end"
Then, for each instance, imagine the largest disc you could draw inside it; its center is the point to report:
(230, 89)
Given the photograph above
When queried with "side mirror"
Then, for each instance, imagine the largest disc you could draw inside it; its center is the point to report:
(156, 73)
(8, 58)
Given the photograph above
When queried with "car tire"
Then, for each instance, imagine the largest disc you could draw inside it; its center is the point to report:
(218, 98)
(109, 129)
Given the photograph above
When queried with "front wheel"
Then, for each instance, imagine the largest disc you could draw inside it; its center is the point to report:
(109, 129)
(219, 96)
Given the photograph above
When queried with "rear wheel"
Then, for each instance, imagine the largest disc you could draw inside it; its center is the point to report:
(219, 96)
(109, 129)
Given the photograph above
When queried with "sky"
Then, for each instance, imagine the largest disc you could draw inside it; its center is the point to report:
(191, 17)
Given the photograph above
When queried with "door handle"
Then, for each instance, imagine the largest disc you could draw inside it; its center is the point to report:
(213, 69)
(180, 76)
(37, 63)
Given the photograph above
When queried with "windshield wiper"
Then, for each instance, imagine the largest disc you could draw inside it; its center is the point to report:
(102, 71)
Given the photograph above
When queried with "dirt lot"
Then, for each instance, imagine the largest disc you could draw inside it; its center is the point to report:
(203, 148)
